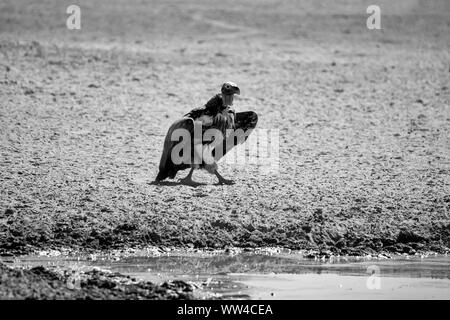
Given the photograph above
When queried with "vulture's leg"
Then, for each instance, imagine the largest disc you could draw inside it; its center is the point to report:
(188, 179)
(222, 180)
(198, 149)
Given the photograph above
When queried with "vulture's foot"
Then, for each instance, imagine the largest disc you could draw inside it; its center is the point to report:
(222, 180)
(225, 181)
(188, 179)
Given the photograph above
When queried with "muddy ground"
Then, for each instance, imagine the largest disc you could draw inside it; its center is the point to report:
(363, 119)
(42, 283)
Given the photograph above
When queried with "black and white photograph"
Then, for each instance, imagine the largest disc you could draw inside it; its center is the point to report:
(232, 151)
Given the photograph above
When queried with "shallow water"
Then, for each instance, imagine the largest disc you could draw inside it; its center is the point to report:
(280, 276)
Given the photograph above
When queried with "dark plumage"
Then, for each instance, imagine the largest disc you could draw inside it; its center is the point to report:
(215, 110)
(214, 114)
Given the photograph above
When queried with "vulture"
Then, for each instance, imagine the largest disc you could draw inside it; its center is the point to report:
(216, 114)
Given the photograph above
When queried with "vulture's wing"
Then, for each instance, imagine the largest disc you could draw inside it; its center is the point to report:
(245, 121)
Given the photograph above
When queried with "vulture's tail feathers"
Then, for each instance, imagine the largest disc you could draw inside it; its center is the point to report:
(167, 169)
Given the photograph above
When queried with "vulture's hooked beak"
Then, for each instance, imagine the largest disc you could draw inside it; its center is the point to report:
(236, 90)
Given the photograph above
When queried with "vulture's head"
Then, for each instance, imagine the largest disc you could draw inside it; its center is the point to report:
(230, 88)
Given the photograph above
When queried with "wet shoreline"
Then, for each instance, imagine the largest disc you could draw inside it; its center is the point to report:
(269, 273)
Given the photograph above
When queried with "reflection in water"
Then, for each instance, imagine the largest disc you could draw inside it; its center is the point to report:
(229, 274)
(204, 264)
(436, 267)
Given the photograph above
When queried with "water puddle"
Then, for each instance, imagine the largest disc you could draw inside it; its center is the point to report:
(278, 276)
